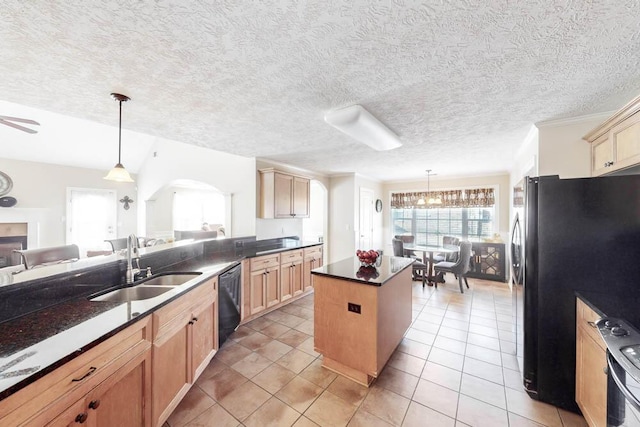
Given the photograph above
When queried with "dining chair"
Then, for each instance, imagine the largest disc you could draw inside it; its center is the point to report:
(418, 269)
(45, 256)
(460, 267)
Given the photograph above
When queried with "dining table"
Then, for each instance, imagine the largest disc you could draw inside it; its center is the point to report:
(428, 259)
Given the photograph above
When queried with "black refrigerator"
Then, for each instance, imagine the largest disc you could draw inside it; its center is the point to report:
(578, 234)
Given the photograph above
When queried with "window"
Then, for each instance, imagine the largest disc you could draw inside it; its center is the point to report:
(429, 225)
(192, 208)
(91, 218)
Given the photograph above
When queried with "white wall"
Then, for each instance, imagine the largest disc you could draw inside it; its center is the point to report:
(272, 228)
(44, 186)
(342, 208)
(228, 173)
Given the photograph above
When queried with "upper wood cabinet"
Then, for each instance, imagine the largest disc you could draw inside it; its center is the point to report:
(615, 144)
(283, 195)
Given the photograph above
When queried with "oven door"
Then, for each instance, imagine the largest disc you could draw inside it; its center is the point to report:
(623, 396)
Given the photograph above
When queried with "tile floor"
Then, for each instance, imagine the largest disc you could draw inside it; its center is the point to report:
(455, 367)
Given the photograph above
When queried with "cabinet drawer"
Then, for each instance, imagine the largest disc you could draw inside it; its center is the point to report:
(49, 396)
(264, 262)
(291, 256)
(586, 319)
(165, 316)
(313, 252)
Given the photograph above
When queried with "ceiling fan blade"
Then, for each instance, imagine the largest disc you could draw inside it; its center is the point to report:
(13, 125)
(19, 120)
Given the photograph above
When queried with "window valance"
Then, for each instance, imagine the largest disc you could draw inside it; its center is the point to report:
(470, 198)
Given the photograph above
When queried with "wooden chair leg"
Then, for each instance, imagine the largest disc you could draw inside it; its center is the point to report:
(460, 283)
(465, 282)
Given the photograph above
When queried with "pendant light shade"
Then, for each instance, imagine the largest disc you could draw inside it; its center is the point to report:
(119, 173)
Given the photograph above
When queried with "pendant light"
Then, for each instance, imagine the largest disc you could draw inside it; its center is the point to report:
(119, 173)
(432, 201)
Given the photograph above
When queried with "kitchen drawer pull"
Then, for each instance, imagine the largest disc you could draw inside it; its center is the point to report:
(94, 404)
(91, 371)
(592, 324)
(81, 418)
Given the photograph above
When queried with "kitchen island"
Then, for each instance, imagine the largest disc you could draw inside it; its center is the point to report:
(361, 314)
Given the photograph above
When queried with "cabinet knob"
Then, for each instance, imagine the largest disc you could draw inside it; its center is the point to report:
(607, 164)
(81, 418)
(605, 370)
(195, 319)
(94, 404)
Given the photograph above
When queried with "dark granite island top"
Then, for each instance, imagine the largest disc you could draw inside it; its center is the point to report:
(352, 270)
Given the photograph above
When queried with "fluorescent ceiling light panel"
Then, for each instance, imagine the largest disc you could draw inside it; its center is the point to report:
(360, 124)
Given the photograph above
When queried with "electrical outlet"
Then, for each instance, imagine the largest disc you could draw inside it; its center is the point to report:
(355, 308)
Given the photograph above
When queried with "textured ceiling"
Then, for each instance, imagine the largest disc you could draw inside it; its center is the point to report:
(459, 81)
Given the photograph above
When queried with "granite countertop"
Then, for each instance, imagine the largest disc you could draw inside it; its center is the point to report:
(350, 269)
(607, 304)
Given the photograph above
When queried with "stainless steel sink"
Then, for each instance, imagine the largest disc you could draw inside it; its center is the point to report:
(169, 279)
(135, 293)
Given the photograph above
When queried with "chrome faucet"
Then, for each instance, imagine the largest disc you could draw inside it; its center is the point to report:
(132, 254)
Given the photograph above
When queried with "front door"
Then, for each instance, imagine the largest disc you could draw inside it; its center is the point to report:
(365, 226)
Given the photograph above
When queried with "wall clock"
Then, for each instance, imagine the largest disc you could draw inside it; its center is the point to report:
(378, 205)
(5, 184)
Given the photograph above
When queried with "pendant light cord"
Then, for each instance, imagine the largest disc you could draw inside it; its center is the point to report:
(120, 135)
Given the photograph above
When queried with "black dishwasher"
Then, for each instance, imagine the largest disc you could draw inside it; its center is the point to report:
(229, 290)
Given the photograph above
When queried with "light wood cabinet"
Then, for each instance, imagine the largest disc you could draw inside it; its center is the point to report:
(615, 144)
(291, 274)
(283, 195)
(264, 283)
(185, 340)
(591, 365)
(272, 285)
(312, 259)
(109, 384)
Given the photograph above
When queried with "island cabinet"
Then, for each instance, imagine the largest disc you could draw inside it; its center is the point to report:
(184, 342)
(108, 385)
(312, 259)
(291, 274)
(615, 144)
(591, 367)
(283, 195)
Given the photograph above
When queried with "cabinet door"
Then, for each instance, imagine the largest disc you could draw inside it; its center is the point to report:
(626, 142)
(591, 379)
(311, 261)
(171, 370)
(258, 291)
(123, 399)
(203, 339)
(301, 190)
(272, 285)
(283, 191)
(286, 282)
(601, 156)
(75, 415)
(296, 278)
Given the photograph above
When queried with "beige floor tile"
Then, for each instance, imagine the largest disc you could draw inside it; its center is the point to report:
(455, 334)
(569, 419)
(274, 350)
(305, 422)
(348, 390)
(484, 370)
(441, 375)
(259, 324)
(430, 318)
(521, 404)
(307, 346)
(518, 421)
(214, 367)
(436, 397)
(407, 363)
(274, 413)
(476, 413)
(194, 403)
(483, 390)
(222, 383)
(420, 336)
(507, 347)
(255, 341)
(484, 341)
(295, 360)
(290, 320)
(364, 419)
(273, 378)
(510, 361)
(306, 327)
(456, 315)
(397, 381)
(446, 358)
(330, 411)
(421, 416)
(318, 375)
(512, 379)
(449, 344)
(293, 338)
(251, 365)
(215, 416)
(483, 321)
(244, 400)
(414, 348)
(483, 330)
(241, 332)
(423, 326)
(484, 354)
(386, 405)
(299, 394)
(231, 353)
(275, 330)
(462, 325)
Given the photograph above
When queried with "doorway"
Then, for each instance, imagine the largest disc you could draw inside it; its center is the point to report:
(91, 217)
(314, 228)
(365, 225)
